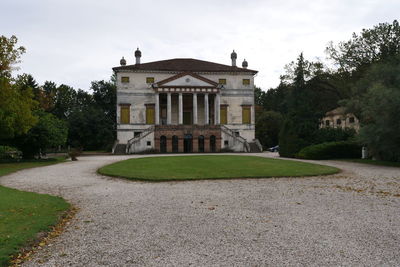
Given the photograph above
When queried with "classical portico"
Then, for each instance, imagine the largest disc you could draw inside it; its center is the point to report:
(187, 98)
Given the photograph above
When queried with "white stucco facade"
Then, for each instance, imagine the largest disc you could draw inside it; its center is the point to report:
(180, 97)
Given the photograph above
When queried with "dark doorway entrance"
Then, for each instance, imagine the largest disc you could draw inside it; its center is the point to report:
(188, 143)
(163, 144)
(212, 143)
(201, 143)
(175, 144)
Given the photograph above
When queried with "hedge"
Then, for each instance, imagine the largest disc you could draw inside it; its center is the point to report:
(331, 150)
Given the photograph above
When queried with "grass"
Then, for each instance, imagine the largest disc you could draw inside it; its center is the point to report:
(24, 214)
(375, 162)
(9, 167)
(211, 167)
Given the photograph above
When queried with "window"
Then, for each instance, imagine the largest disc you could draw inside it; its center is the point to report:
(246, 114)
(351, 120)
(125, 79)
(175, 144)
(223, 114)
(125, 114)
(149, 79)
(327, 122)
(338, 121)
(237, 133)
(148, 143)
(150, 114)
(226, 143)
(201, 143)
(136, 134)
(222, 81)
(246, 81)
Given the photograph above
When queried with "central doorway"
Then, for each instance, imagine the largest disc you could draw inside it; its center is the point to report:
(188, 143)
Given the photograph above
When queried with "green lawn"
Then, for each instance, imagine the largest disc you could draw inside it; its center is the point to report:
(375, 162)
(211, 167)
(6, 168)
(23, 214)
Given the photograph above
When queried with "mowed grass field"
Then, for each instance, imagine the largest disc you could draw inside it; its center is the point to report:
(24, 214)
(211, 167)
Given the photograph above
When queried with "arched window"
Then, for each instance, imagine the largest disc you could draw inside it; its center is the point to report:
(163, 144)
(212, 143)
(201, 143)
(188, 143)
(175, 144)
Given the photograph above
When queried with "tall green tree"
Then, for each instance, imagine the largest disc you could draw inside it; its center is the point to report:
(371, 45)
(15, 105)
(378, 108)
(47, 133)
(10, 55)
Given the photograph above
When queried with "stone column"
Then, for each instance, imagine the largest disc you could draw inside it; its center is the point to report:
(217, 105)
(168, 108)
(194, 108)
(157, 109)
(206, 109)
(180, 109)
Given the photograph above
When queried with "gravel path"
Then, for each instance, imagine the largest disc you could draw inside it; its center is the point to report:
(351, 218)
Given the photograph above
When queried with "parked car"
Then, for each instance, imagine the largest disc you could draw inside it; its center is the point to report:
(274, 149)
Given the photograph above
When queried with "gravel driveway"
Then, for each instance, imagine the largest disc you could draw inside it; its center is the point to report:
(351, 218)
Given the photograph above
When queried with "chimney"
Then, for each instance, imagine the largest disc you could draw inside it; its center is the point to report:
(233, 57)
(138, 55)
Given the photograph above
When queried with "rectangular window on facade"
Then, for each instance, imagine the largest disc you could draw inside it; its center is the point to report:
(246, 114)
(327, 122)
(125, 79)
(149, 79)
(246, 81)
(338, 121)
(222, 81)
(125, 114)
(351, 119)
(223, 114)
(150, 114)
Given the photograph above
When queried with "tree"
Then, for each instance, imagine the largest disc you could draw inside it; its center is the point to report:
(16, 107)
(268, 125)
(9, 55)
(372, 45)
(47, 133)
(378, 108)
(301, 122)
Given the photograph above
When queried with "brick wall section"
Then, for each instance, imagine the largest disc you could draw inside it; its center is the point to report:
(182, 130)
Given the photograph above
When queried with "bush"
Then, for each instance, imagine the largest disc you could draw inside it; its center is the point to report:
(8, 152)
(74, 153)
(331, 150)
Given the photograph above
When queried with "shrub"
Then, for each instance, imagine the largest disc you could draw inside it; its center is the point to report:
(74, 153)
(331, 150)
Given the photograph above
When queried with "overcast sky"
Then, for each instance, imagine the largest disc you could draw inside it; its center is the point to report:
(77, 41)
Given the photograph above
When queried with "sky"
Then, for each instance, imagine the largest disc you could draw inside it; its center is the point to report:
(75, 42)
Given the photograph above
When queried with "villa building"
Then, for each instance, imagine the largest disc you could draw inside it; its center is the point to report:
(185, 105)
(338, 118)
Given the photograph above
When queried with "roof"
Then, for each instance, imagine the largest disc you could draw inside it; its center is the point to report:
(184, 64)
(336, 111)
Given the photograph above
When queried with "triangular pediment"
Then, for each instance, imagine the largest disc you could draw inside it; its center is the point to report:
(187, 79)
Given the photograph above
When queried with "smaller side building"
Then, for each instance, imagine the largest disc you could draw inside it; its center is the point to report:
(338, 118)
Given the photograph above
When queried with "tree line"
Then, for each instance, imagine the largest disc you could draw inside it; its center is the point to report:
(365, 79)
(35, 118)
